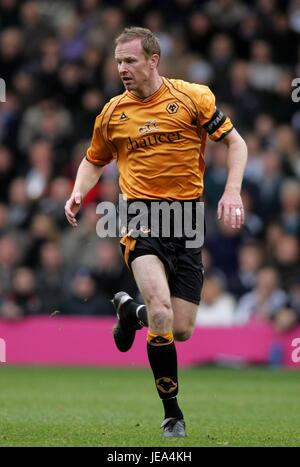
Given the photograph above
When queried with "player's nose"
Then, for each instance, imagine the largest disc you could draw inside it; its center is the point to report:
(122, 68)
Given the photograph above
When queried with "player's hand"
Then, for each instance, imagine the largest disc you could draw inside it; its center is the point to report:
(230, 209)
(72, 207)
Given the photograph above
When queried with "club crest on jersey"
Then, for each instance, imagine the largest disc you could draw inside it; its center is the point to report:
(150, 125)
(172, 107)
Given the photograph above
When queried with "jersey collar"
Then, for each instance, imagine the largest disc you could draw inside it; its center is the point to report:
(153, 96)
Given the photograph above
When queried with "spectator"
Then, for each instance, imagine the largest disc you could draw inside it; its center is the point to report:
(253, 223)
(42, 230)
(35, 27)
(23, 297)
(240, 94)
(51, 277)
(10, 257)
(266, 303)
(264, 74)
(217, 306)
(254, 169)
(11, 52)
(20, 206)
(79, 246)
(272, 180)
(83, 299)
(286, 145)
(53, 203)
(110, 272)
(272, 237)
(251, 258)
(41, 169)
(290, 206)
(294, 291)
(84, 117)
(9, 15)
(224, 245)
(226, 14)
(286, 259)
(6, 172)
(47, 121)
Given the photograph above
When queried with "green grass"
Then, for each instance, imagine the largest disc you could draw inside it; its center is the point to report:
(109, 407)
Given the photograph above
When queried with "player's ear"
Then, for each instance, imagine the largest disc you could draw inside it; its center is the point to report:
(154, 60)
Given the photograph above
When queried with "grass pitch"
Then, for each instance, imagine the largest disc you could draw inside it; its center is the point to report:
(120, 407)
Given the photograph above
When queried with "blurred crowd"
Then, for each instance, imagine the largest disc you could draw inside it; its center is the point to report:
(56, 58)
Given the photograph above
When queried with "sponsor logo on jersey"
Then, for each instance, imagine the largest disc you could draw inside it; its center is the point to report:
(150, 125)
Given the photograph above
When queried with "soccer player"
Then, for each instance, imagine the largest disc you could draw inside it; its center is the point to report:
(156, 131)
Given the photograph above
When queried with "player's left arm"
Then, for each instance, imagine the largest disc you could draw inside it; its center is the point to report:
(220, 128)
(230, 206)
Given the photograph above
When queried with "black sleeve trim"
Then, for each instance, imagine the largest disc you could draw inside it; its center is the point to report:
(98, 165)
(215, 122)
(223, 135)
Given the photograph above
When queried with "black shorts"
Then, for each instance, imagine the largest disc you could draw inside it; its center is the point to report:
(183, 265)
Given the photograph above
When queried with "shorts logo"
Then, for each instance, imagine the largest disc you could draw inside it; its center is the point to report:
(172, 108)
(144, 230)
(166, 385)
(150, 125)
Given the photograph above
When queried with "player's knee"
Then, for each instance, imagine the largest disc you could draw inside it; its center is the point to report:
(182, 334)
(160, 316)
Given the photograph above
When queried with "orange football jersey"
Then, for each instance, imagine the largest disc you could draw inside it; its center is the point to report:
(159, 142)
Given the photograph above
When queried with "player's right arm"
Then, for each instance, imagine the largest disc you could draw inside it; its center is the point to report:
(87, 176)
(98, 155)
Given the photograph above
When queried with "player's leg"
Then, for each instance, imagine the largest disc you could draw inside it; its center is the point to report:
(131, 317)
(186, 291)
(184, 318)
(135, 314)
(150, 276)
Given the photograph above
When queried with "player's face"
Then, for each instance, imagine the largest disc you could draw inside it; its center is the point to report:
(134, 67)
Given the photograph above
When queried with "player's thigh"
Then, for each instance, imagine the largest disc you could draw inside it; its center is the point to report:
(184, 318)
(150, 275)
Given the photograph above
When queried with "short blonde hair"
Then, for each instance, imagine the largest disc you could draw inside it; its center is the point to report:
(149, 41)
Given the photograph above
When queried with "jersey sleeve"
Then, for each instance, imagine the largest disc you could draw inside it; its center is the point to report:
(99, 152)
(210, 117)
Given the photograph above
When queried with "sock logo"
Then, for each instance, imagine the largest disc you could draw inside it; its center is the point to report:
(165, 384)
(159, 340)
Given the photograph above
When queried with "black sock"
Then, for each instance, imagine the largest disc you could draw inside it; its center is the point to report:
(137, 313)
(141, 313)
(163, 360)
(172, 409)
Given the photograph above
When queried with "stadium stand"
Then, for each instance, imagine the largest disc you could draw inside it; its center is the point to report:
(55, 58)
